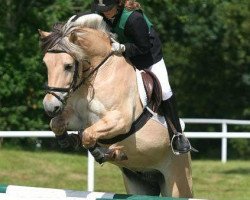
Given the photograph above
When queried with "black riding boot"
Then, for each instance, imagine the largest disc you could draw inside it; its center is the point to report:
(179, 142)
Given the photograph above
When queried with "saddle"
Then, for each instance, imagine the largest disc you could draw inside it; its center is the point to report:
(153, 90)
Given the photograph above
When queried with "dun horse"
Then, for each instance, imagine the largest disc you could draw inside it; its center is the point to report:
(95, 92)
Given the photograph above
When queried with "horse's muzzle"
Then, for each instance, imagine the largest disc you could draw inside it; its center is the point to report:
(52, 106)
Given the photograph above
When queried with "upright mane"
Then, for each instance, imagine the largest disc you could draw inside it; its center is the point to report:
(58, 38)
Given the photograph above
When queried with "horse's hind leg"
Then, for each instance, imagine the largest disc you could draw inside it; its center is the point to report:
(137, 184)
(178, 177)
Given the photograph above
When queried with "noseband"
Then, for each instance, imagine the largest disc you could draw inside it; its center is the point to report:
(73, 86)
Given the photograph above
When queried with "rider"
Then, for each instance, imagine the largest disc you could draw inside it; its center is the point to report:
(139, 42)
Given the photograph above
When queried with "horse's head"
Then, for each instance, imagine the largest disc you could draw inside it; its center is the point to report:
(71, 50)
(60, 69)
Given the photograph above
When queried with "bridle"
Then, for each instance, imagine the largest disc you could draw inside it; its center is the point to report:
(73, 86)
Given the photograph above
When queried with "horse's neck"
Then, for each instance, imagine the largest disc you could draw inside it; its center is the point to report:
(117, 68)
(97, 60)
(101, 52)
(96, 45)
(120, 74)
(118, 79)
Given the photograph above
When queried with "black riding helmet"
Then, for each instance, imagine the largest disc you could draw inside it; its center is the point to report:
(103, 5)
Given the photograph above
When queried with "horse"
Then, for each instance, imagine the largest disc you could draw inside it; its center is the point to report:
(94, 91)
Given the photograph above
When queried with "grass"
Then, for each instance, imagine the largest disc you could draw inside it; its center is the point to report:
(212, 179)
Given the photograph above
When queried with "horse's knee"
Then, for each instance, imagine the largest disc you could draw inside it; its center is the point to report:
(88, 139)
(58, 125)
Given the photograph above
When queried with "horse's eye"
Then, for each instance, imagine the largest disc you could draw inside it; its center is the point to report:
(68, 67)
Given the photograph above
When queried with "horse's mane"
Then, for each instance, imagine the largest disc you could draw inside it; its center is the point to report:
(58, 38)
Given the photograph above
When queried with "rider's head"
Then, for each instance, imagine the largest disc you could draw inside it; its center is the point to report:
(109, 8)
(106, 7)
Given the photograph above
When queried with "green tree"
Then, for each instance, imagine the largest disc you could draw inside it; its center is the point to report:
(206, 48)
(205, 44)
(21, 70)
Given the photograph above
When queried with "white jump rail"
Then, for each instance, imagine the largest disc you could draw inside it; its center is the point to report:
(224, 135)
(14, 192)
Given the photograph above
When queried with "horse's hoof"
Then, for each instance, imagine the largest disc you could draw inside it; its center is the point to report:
(123, 157)
(115, 154)
(105, 154)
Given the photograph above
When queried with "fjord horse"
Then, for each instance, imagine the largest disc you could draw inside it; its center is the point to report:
(95, 92)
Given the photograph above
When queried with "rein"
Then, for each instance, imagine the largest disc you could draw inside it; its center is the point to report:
(93, 71)
(73, 86)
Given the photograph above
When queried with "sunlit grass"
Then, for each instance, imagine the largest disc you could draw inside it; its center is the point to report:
(212, 179)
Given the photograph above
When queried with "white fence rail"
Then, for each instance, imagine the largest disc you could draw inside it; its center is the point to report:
(224, 135)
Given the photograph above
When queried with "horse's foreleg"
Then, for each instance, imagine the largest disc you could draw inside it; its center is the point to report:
(109, 126)
(59, 126)
(112, 124)
(104, 154)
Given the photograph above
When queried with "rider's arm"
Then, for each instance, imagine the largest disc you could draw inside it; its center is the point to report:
(137, 29)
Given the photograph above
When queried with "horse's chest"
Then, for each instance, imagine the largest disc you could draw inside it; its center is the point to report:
(88, 112)
(96, 110)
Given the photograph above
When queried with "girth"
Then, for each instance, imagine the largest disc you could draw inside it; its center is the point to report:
(136, 125)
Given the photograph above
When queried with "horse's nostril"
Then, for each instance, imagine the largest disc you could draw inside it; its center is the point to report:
(57, 109)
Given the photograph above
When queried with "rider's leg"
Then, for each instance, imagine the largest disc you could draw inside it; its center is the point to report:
(180, 143)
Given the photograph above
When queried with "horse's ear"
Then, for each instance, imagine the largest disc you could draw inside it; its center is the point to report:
(73, 37)
(43, 34)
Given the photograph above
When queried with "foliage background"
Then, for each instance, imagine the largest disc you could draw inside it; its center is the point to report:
(205, 44)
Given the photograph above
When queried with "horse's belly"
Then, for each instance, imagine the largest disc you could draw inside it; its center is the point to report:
(147, 148)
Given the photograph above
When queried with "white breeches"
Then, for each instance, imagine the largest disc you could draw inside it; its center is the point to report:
(160, 70)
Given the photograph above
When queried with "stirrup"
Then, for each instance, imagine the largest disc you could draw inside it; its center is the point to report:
(176, 152)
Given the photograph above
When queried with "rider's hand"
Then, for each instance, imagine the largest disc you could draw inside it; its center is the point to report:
(116, 47)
